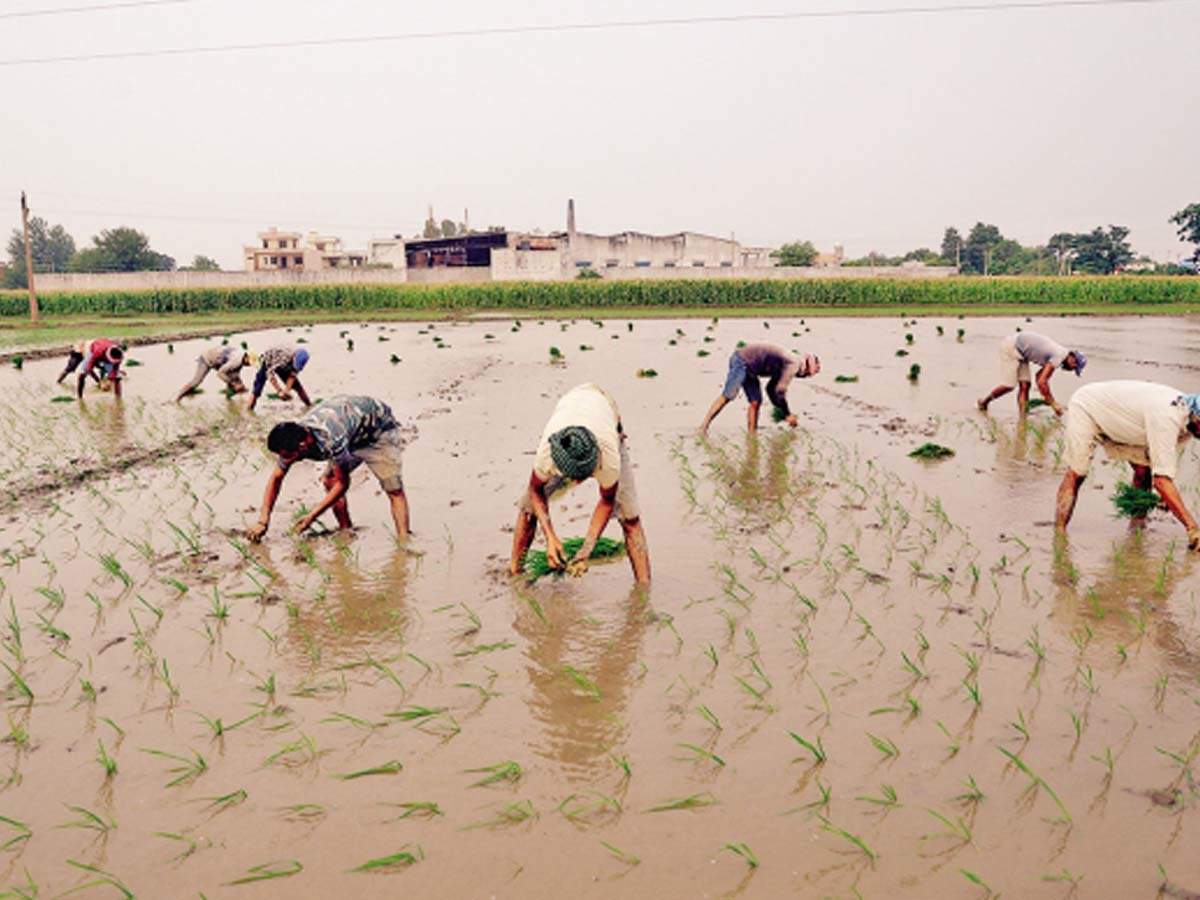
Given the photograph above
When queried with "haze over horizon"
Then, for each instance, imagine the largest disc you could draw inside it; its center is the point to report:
(875, 132)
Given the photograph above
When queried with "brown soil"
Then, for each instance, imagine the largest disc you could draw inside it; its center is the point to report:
(913, 620)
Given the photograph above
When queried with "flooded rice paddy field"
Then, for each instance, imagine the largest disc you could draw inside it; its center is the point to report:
(855, 674)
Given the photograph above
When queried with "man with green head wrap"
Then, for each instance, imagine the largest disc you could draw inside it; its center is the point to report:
(582, 440)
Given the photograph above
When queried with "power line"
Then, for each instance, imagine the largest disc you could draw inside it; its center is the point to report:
(565, 28)
(100, 7)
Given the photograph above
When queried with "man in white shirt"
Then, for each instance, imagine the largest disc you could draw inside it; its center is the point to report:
(1140, 422)
(1017, 351)
(582, 440)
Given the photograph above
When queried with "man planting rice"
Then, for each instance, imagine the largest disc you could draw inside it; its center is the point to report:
(228, 363)
(754, 361)
(103, 355)
(1140, 422)
(582, 440)
(281, 363)
(346, 431)
(1017, 352)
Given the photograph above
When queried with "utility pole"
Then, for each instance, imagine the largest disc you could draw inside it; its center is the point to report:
(33, 303)
(958, 257)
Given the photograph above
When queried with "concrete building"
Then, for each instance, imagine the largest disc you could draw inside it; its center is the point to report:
(278, 250)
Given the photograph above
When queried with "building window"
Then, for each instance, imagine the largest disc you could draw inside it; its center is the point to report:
(670, 264)
(583, 263)
(642, 263)
(698, 263)
(726, 264)
(611, 263)
(274, 260)
(265, 247)
(298, 260)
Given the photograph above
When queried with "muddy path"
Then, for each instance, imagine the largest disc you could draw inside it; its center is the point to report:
(866, 674)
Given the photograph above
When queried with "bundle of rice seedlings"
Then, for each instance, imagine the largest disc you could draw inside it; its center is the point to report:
(902, 353)
(846, 379)
(535, 564)
(647, 373)
(1134, 502)
(930, 450)
(1035, 402)
(914, 372)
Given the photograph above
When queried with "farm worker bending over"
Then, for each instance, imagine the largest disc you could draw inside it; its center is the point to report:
(106, 356)
(346, 431)
(582, 440)
(1140, 422)
(228, 361)
(754, 361)
(285, 363)
(1017, 351)
(77, 355)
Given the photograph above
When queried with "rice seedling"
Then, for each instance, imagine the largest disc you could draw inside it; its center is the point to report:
(392, 767)
(846, 379)
(930, 450)
(887, 797)
(192, 845)
(744, 851)
(702, 754)
(974, 878)
(507, 772)
(914, 372)
(401, 859)
(535, 564)
(223, 802)
(1134, 503)
(106, 762)
(627, 858)
(23, 832)
(853, 839)
(103, 879)
(1036, 781)
(884, 745)
(416, 808)
(114, 568)
(269, 871)
(817, 750)
(973, 794)
(692, 801)
(185, 771)
(647, 373)
(88, 820)
(585, 685)
(555, 354)
(709, 716)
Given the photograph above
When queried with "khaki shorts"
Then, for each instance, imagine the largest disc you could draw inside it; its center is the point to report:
(1083, 434)
(1013, 369)
(625, 508)
(384, 458)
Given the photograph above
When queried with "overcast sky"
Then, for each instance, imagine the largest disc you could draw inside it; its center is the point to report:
(875, 132)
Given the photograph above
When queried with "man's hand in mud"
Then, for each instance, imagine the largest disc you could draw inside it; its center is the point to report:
(303, 525)
(792, 420)
(256, 531)
(1059, 409)
(285, 395)
(1194, 539)
(577, 567)
(554, 553)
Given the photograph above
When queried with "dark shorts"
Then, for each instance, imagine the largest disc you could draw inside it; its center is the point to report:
(739, 377)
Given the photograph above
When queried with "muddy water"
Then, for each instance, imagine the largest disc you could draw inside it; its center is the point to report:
(817, 582)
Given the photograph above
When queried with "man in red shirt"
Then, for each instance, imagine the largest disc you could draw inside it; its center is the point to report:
(106, 356)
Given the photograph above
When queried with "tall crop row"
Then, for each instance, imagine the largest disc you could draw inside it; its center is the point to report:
(856, 292)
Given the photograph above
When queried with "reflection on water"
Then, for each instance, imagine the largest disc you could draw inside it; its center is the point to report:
(581, 672)
(104, 422)
(344, 608)
(1131, 596)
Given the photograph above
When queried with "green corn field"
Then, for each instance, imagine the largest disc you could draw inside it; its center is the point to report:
(831, 293)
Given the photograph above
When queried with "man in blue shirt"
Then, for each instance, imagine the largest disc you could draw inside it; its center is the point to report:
(346, 431)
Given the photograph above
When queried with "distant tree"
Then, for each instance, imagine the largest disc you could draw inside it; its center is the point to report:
(977, 251)
(1188, 220)
(121, 249)
(431, 229)
(52, 251)
(1062, 245)
(922, 255)
(448, 229)
(951, 243)
(1102, 251)
(203, 264)
(797, 253)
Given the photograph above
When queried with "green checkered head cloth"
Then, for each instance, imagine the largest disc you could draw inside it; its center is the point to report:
(575, 452)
